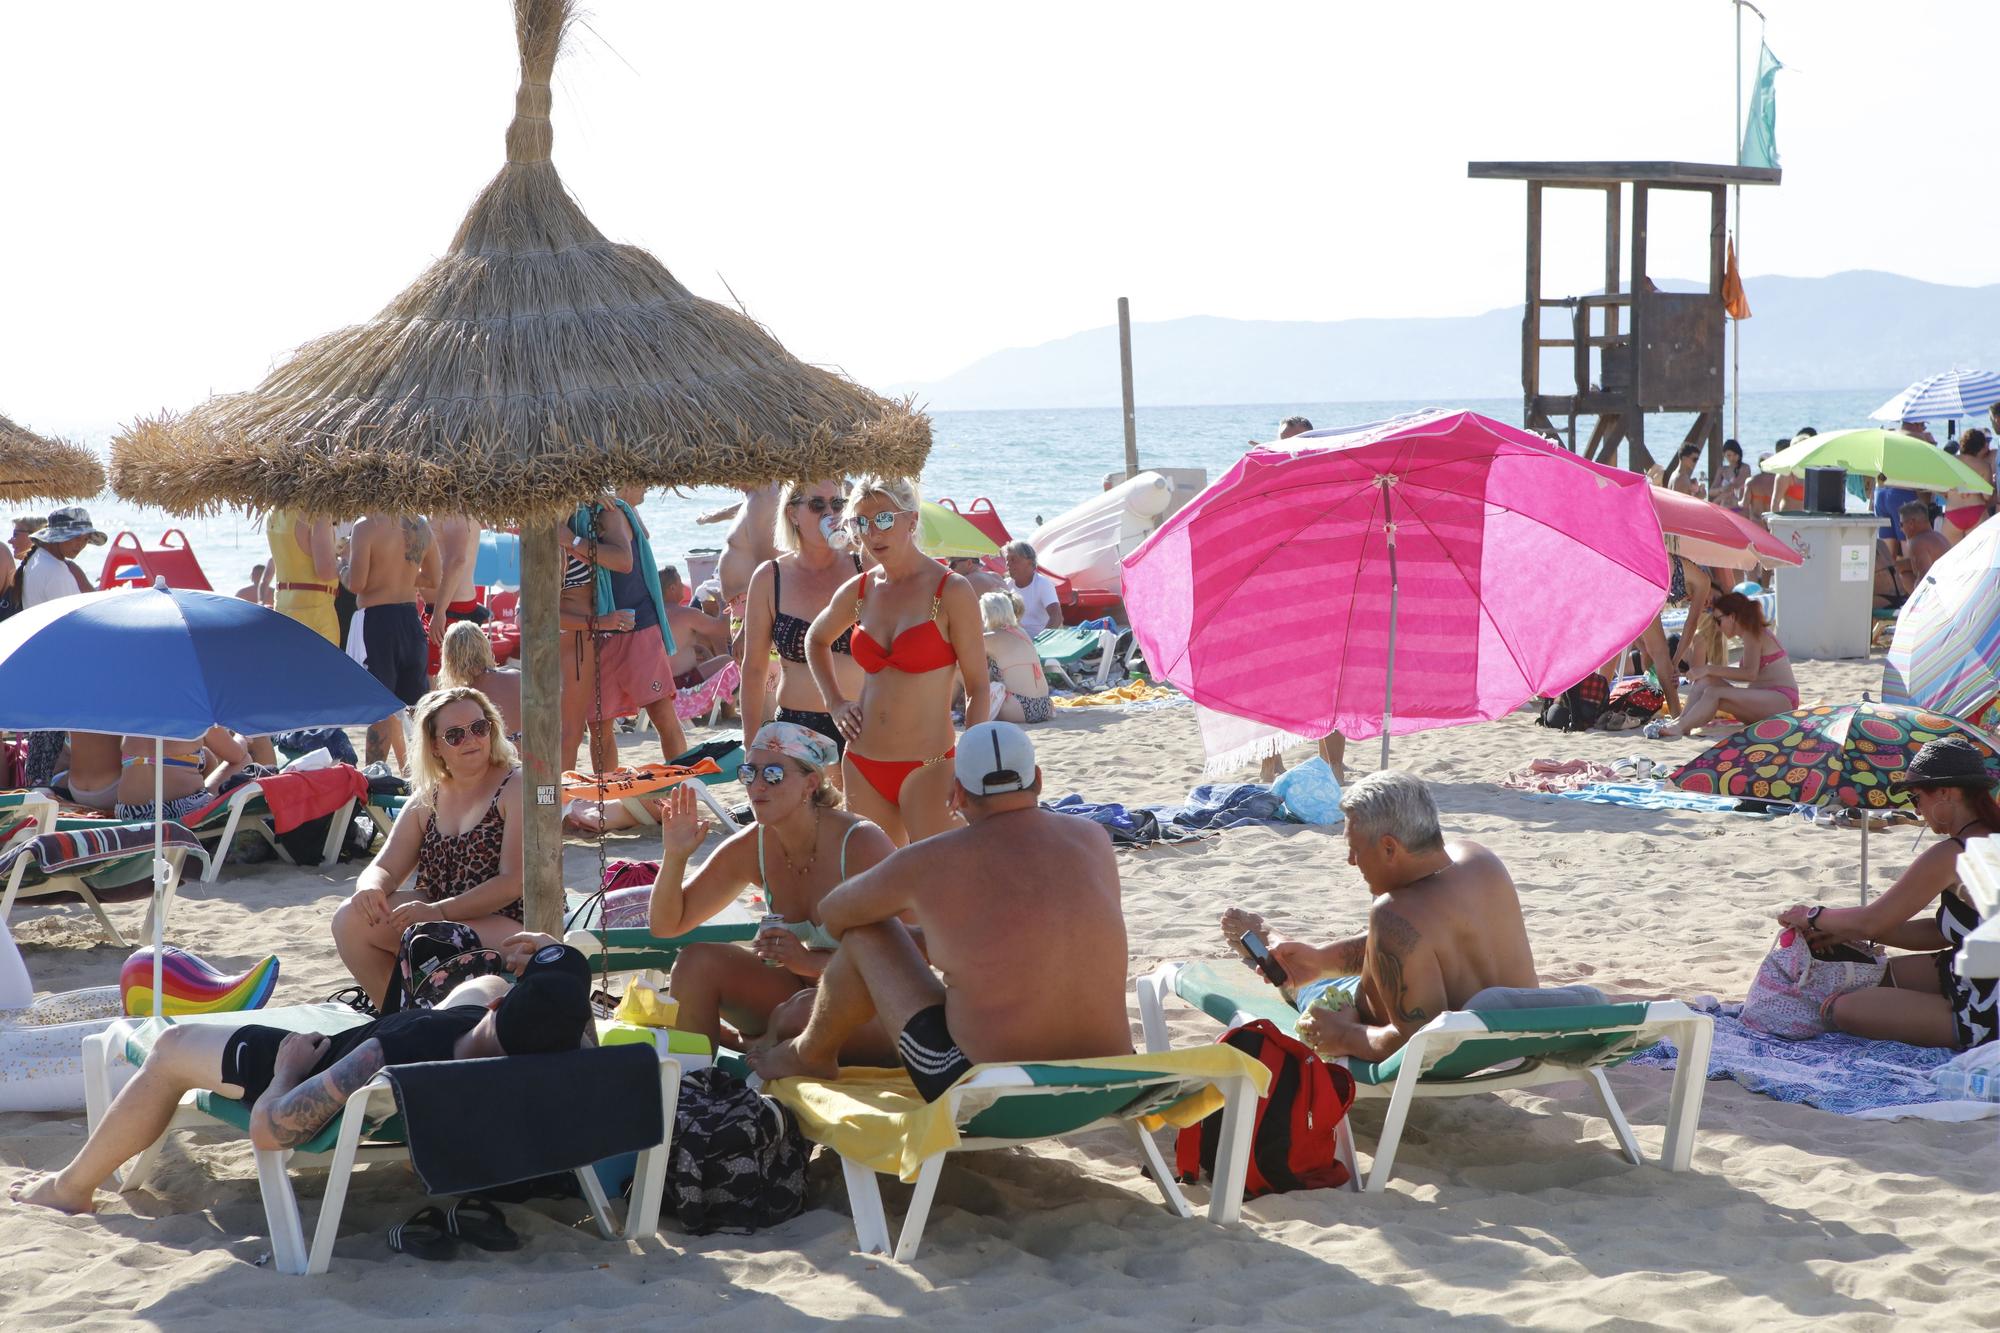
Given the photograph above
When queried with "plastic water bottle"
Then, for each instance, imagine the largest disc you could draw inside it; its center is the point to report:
(1977, 1085)
(1951, 1082)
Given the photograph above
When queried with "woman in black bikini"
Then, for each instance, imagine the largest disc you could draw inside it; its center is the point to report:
(786, 595)
(1923, 999)
(460, 833)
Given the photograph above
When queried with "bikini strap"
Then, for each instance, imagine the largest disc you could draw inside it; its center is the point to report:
(843, 847)
(777, 592)
(763, 880)
(937, 598)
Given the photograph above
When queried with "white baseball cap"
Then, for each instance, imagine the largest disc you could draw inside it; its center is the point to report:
(995, 758)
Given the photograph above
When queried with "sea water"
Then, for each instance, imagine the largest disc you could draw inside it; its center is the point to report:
(1032, 465)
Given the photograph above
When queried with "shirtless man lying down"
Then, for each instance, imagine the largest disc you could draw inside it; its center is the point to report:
(1019, 910)
(1445, 925)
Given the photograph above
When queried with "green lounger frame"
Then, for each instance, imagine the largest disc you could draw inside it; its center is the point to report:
(1462, 1053)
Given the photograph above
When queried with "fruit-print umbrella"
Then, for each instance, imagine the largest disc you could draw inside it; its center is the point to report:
(1836, 756)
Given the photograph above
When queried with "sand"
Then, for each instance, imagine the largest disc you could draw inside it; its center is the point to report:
(1505, 1210)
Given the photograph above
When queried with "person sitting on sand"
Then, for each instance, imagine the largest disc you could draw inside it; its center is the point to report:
(296, 1082)
(460, 833)
(1020, 910)
(798, 848)
(1445, 924)
(1759, 686)
(1924, 999)
(1020, 691)
(466, 663)
(1922, 544)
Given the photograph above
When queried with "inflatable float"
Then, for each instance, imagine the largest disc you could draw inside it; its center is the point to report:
(1085, 544)
(41, 1044)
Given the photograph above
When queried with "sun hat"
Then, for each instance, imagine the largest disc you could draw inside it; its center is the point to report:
(793, 741)
(68, 523)
(995, 757)
(1951, 761)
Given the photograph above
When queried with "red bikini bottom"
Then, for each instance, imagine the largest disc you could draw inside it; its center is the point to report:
(887, 776)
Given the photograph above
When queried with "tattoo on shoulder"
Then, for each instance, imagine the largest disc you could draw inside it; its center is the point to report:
(416, 539)
(1393, 937)
(306, 1109)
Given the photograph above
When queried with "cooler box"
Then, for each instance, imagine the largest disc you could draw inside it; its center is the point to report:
(1826, 605)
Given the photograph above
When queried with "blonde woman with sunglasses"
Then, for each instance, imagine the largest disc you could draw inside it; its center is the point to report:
(913, 626)
(460, 834)
(786, 595)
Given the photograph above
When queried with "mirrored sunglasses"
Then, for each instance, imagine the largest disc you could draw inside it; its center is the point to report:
(457, 735)
(883, 521)
(773, 774)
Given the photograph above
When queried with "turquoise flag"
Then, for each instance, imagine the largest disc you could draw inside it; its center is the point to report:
(1760, 128)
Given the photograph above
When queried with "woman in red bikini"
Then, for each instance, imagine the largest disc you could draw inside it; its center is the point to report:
(1762, 685)
(915, 623)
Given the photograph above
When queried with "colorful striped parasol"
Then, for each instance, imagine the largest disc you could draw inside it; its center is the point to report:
(1946, 653)
(1836, 756)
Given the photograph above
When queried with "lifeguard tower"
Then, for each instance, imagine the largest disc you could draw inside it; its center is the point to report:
(1636, 349)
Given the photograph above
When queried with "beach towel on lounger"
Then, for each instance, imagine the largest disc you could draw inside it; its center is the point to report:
(67, 853)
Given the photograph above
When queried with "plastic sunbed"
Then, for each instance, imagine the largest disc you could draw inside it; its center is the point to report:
(46, 864)
(1461, 1053)
(367, 1130)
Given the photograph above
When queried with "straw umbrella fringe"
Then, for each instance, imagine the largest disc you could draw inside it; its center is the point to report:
(534, 364)
(531, 368)
(35, 467)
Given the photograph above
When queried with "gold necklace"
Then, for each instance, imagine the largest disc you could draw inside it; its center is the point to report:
(799, 871)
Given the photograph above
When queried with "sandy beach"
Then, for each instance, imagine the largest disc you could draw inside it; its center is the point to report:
(1508, 1210)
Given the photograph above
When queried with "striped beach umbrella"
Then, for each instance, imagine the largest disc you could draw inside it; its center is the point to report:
(1952, 395)
(1946, 653)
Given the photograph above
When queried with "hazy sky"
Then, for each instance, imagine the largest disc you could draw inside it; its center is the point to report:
(897, 189)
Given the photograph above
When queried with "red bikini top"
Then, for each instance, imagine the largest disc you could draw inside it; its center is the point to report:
(918, 649)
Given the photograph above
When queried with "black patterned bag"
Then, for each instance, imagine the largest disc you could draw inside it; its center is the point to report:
(435, 958)
(738, 1162)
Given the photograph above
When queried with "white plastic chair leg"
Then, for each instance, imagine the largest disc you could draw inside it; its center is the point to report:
(1690, 1086)
(649, 1183)
(912, 1234)
(715, 807)
(236, 804)
(1392, 1123)
(336, 834)
(1343, 1150)
(281, 1215)
(864, 1200)
(1621, 1128)
(596, 1200)
(1156, 1167)
(339, 1174)
(1151, 991)
(1232, 1149)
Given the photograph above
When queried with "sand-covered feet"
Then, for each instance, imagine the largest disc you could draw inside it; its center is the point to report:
(40, 1189)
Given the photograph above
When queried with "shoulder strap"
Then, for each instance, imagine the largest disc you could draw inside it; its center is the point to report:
(763, 880)
(502, 787)
(845, 839)
(777, 591)
(937, 598)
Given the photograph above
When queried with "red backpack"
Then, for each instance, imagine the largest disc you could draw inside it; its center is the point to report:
(1292, 1141)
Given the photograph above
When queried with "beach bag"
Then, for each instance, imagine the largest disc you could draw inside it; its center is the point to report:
(1310, 792)
(1636, 699)
(435, 958)
(1292, 1141)
(1789, 996)
(738, 1162)
(1577, 708)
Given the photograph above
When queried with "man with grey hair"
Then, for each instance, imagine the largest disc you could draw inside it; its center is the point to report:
(1039, 607)
(1445, 925)
(1291, 426)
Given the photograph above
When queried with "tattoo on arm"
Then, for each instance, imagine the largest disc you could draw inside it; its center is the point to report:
(1394, 937)
(306, 1109)
(1346, 958)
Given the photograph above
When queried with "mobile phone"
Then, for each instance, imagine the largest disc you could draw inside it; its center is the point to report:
(1260, 954)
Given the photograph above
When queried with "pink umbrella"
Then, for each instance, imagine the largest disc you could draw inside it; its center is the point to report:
(1427, 571)
(1708, 534)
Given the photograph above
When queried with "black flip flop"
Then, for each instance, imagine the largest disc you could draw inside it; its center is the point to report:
(425, 1235)
(480, 1222)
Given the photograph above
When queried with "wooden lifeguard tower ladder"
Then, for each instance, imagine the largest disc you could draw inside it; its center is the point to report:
(1656, 351)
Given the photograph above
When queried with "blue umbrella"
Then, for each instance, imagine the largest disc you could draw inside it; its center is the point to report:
(170, 663)
(1954, 395)
(498, 561)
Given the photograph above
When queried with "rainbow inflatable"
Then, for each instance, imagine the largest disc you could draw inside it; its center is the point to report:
(192, 986)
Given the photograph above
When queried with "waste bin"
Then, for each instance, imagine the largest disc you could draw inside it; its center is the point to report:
(1826, 605)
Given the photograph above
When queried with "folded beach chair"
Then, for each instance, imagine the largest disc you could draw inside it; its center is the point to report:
(1461, 1053)
(1064, 649)
(95, 862)
(875, 1121)
(368, 1130)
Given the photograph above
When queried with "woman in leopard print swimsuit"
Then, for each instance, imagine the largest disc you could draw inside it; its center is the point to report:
(460, 834)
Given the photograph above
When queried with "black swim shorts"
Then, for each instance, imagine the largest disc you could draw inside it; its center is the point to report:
(930, 1054)
(398, 654)
(250, 1057)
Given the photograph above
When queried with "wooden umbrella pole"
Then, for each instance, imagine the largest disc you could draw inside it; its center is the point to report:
(541, 726)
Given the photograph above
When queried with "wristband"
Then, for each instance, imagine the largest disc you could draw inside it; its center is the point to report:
(1812, 916)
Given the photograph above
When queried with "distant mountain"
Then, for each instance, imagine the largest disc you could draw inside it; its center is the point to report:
(1839, 332)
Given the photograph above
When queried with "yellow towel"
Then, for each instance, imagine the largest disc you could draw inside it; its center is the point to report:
(876, 1118)
(1133, 692)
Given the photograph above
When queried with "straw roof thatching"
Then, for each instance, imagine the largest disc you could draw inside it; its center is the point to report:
(34, 467)
(533, 365)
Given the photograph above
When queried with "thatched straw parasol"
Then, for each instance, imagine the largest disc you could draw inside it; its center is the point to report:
(533, 366)
(34, 467)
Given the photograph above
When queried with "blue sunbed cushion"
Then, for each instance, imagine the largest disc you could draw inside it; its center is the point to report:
(1534, 997)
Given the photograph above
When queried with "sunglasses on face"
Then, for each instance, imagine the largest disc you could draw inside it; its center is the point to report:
(773, 774)
(457, 735)
(819, 504)
(882, 521)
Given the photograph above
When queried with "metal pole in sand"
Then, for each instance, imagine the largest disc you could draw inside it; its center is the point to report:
(1389, 679)
(159, 865)
(1125, 382)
